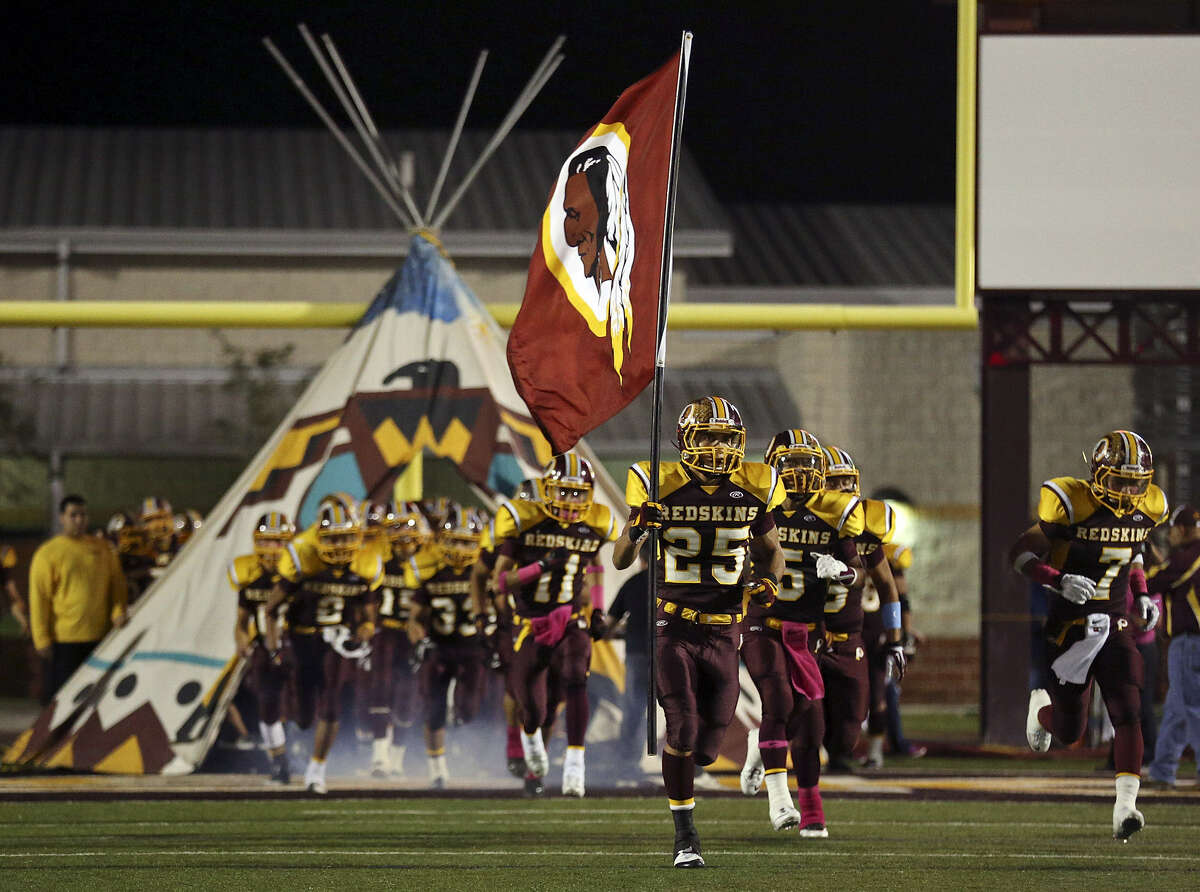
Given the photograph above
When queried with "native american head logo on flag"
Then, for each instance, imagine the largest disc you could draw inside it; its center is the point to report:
(584, 343)
(588, 236)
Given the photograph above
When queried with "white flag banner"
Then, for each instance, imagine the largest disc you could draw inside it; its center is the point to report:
(423, 371)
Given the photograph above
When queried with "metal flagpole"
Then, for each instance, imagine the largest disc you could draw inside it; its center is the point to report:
(660, 366)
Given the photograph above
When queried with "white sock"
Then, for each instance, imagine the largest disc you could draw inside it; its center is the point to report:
(278, 738)
(379, 750)
(398, 750)
(1127, 790)
(314, 772)
(777, 791)
(437, 766)
(573, 758)
(875, 747)
(265, 731)
(532, 744)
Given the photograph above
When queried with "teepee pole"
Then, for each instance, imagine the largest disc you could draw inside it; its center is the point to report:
(541, 75)
(369, 122)
(454, 136)
(351, 112)
(302, 87)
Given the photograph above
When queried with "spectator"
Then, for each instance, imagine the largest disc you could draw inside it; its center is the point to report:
(8, 560)
(631, 602)
(76, 594)
(1177, 581)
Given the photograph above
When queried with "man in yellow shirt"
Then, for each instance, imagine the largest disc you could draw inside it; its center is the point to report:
(76, 594)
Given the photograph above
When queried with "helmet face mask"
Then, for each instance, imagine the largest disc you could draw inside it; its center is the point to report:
(158, 522)
(841, 474)
(407, 529)
(339, 533)
(460, 537)
(567, 487)
(272, 533)
(710, 436)
(1122, 469)
(127, 534)
(797, 457)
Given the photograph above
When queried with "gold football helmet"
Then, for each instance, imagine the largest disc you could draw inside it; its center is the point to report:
(460, 536)
(797, 457)
(339, 532)
(1122, 467)
(157, 519)
(272, 533)
(567, 486)
(528, 491)
(407, 529)
(710, 436)
(187, 524)
(841, 474)
(125, 533)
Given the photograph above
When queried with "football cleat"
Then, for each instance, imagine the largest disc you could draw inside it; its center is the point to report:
(1038, 737)
(815, 830)
(874, 763)
(752, 772)
(534, 788)
(281, 773)
(687, 853)
(1126, 822)
(785, 818)
(573, 781)
(517, 767)
(535, 755)
(317, 787)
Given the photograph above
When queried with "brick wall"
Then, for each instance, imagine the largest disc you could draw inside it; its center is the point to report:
(946, 672)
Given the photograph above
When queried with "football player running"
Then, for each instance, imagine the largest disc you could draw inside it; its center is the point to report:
(443, 628)
(843, 660)
(544, 548)
(713, 509)
(254, 577)
(1087, 549)
(387, 676)
(327, 581)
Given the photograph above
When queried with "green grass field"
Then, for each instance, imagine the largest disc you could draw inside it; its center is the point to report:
(598, 843)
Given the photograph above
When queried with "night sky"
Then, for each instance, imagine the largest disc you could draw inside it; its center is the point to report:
(808, 101)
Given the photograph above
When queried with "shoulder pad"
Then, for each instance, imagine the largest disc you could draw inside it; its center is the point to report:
(1065, 501)
(899, 556)
(299, 559)
(8, 557)
(601, 519)
(760, 480)
(515, 517)
(841, 510)
(879, 519)
(369, 566)
(671, 476)
(424, 563)
(1155, 504)
(244, 570)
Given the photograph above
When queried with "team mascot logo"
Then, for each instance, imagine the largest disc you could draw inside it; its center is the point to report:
(587, 236)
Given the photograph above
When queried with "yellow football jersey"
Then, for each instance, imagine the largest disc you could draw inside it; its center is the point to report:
(1067, 501)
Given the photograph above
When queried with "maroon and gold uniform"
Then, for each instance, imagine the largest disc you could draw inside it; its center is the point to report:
(705, 538)
(1088, 538)
(875, 638)
(268, 677)
(322, 597)
(388, 678)
(457, 655)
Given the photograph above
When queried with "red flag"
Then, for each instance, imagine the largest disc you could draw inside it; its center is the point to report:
(583, 344)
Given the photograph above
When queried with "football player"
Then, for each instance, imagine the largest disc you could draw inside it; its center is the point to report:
(544, 549)
(158, 521)
(327, 583)
(187, 524)
(843, 659)
(389, 680)
(713, 509)
(1087, 549)
(133, 550)
(254, 577)
(443, 627)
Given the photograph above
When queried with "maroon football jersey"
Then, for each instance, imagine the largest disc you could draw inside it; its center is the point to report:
(826, 524)
(396, 591)
(707, 530)
(447, 594)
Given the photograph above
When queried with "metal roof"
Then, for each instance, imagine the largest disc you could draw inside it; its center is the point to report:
(160, 412)
(263, 182)
(784, 246)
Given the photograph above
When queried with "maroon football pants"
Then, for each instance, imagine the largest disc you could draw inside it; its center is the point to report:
(844, 670)
(389, 683)
(269, 680)
(534, 670)
(462, 664)
(697, 678)
(786, 715)
(324, 680)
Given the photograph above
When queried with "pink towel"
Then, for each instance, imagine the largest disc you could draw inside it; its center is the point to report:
(802, 665)
(549, 629)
